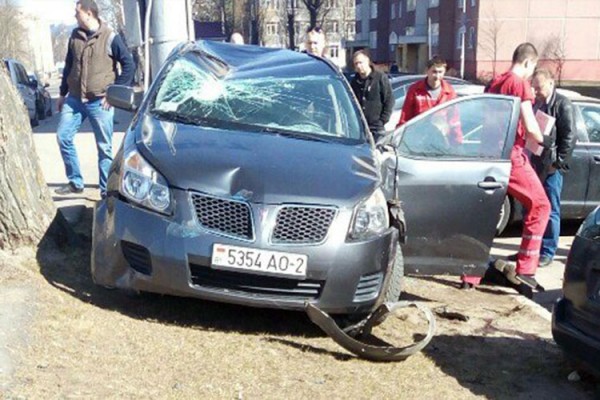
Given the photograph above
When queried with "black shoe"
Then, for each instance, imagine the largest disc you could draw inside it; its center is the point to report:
(545, 261)
(68, 189)
(530, 281)
(512, 257)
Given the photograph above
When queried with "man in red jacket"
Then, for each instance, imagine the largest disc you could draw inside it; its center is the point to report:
(524, 184)
(430, 92)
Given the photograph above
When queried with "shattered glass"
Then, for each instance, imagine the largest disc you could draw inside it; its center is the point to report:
(196, 92)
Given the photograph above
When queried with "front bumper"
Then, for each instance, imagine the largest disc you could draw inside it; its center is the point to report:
(577, 333)
(141, 250)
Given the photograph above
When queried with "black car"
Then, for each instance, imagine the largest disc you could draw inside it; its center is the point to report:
(43, 101)
(248, 175)
(576, 316)
(581, 190)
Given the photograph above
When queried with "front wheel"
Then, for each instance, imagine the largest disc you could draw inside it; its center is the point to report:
(396, 279)
(505, 216)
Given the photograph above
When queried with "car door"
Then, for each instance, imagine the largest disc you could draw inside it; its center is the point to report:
(591, 117)
(575, 182)
(451, 194)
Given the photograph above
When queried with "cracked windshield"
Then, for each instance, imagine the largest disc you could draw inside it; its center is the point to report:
(199, 93)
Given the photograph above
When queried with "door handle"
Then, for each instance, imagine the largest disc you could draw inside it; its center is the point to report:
(489, 185)
(597, 158)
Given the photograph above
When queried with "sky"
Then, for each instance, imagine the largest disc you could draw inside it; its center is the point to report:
(54, 11)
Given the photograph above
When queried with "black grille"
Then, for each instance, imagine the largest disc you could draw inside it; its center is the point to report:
(137, 256)
(368, 287)
(224, 216)
(266, 286)
(302, 224)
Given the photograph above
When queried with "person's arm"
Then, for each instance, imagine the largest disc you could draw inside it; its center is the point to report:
(407, 108)
(121, 54)
(530, 123)
(64, 86)
(387, 99)
(565, 134)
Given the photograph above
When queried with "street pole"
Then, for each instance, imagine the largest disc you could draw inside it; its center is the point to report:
(462, 55)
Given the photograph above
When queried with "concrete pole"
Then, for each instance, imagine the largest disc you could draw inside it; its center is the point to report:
(169, 23)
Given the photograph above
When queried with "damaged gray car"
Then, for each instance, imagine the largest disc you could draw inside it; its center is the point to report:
(248, 175)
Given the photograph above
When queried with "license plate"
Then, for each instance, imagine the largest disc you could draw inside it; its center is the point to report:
(259, 261)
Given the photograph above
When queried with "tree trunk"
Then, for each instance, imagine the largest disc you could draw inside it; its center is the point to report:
(26, 207)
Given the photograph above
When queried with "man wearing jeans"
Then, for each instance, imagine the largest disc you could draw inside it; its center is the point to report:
(90, 66)
(554, 160)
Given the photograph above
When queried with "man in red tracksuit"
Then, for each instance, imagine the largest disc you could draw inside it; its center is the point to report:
(428, 93)
(524, 184)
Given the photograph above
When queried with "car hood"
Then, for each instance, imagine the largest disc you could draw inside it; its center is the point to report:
(259, 167)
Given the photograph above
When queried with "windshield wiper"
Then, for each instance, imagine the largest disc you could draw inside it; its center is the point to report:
(295, 134)
(181, 118)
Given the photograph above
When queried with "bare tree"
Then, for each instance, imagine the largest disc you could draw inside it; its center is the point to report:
(12, 34)
(60, 40)
(489, 36)
(317, 11)
(554, 51)
(26, 208)
(112, 12)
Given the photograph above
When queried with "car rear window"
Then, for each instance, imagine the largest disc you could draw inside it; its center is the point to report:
(200, 88)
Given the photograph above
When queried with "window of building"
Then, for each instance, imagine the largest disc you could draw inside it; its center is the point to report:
(272, 28)
(331, 4)
(334, 51)
(410, 30)
(400, 9)
(373, 39)
(393, 11)
(471, 37)
(332, 27)
(434, 3)
(373, 9)
(473, 3)
(461, 4)
(350, 28)
(411, 5)
(351, 4)
(435, 34)
(460, 37)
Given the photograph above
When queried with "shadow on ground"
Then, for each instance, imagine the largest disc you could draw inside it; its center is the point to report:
(540, 361)
(64, 260)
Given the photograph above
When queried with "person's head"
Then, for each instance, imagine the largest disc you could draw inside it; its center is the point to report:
(315, 41)
(524, 60)
(86, 14)
(236, 38)
(436, 68)
(542, 84)
(362, 63)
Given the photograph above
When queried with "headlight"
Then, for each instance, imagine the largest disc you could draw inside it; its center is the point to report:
(370, 217)
(142, 184)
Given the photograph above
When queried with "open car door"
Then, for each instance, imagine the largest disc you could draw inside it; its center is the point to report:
(450, 168)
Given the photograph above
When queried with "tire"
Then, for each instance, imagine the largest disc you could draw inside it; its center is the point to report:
(35, 121)
(40, 110)
(396, 280)
(505, 216)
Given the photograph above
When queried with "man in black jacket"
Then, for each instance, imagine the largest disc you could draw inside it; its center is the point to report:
(554, 161)
(373, 91)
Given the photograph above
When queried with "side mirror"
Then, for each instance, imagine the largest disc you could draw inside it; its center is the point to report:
(123, 97)
(33, 83)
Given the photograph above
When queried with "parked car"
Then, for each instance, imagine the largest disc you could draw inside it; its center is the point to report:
(18, 75)
(581, 191)
(248, 175)
(576, 316)
(400, 85)
(43, 100)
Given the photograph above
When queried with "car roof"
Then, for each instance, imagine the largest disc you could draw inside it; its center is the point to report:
(398, 81)
(248, 61)
(576, 96)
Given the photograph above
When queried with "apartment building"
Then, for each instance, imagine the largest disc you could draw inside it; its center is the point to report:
(477, 37)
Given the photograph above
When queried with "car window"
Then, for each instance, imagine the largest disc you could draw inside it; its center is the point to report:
(591, 117)
(399, 94)
(474, 128)
(317, 105)
(22, 75)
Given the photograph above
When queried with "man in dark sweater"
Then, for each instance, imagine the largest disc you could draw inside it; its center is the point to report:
(373, 91)
(90, 67)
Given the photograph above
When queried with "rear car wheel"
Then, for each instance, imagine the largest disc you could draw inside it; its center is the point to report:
(40, 109)
(35, 121)
(505, 216)
(394, 288)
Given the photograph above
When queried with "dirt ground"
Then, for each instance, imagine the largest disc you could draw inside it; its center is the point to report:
(67, 338)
